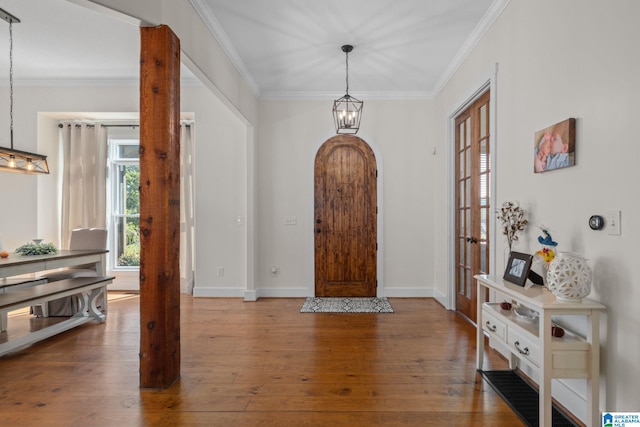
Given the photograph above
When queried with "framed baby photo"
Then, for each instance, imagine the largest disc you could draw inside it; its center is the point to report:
(555, 147)
(518, 268)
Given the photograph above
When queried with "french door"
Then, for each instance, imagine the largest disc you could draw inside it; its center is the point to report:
(473, 202)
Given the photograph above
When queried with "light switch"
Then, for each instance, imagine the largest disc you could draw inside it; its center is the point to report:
(290, 220)
(612, 222)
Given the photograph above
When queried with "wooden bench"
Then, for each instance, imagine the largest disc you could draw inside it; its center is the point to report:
(15, 283)
(88, 289)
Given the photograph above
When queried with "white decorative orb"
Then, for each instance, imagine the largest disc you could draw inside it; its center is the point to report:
(569, 277)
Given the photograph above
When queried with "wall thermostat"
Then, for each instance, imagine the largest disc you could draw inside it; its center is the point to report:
(596, 222)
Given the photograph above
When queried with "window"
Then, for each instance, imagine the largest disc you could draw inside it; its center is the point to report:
(124, 198)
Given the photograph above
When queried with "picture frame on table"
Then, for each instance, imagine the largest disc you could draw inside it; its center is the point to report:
(518, 268)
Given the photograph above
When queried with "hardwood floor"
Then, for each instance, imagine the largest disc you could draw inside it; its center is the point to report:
(260, 364)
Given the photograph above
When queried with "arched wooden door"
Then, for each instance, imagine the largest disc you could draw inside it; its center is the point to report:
(346, 212)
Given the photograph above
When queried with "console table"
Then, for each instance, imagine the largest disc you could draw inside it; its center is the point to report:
(530, 339)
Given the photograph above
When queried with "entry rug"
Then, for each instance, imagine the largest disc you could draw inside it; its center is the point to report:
(346, 305)
(522, 398)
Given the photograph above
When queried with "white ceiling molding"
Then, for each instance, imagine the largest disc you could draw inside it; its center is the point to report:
(324, 96)
(189, 80)
(483, 26)
(202, 8)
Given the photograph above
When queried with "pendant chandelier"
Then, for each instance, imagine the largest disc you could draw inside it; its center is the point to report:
(15, 160)
(347, 110)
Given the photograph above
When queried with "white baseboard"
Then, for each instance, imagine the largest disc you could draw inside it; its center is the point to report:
(125, 281)
(254, 295)
(408, 292)
(442, 299)
(251, 295)
(284, 293)
(211, 292)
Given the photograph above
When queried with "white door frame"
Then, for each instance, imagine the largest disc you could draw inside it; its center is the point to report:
(488, 82)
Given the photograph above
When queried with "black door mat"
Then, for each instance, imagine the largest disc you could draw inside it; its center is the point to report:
(523, 398)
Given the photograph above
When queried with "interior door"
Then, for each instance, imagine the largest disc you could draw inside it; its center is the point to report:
(345, 218)
(473, 202)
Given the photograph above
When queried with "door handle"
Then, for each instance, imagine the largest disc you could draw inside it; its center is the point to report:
(318, 230)
(472, 240)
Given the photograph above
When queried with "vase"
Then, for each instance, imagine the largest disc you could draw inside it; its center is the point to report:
(569, 277)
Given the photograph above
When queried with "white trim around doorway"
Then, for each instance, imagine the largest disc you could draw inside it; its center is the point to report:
(487, 82)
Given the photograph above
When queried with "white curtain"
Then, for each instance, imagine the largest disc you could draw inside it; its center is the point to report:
(187, 230)
(84, 202)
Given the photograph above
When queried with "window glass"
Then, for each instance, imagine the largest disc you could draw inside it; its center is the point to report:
(124, 199)
(128, 151)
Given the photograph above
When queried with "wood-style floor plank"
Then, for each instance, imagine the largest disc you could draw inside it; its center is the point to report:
(260, 364)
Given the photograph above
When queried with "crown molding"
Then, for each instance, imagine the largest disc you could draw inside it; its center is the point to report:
(203, 10)
(87, 82)
(365, 96)
(494, 11)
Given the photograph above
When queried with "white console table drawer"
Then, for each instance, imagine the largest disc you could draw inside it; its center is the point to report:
(493, 325)
(523, 346)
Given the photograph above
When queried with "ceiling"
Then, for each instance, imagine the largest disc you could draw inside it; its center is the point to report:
(283, 48)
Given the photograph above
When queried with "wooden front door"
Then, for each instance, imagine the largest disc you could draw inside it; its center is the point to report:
(473, 204)
(345, 218)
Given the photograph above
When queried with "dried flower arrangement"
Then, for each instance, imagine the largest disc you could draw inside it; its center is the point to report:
(513, 221)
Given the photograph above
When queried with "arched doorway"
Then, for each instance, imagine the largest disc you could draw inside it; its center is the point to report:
(345, 228)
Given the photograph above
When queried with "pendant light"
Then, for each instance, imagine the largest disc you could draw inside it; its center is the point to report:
(347, 110)
(15, 160)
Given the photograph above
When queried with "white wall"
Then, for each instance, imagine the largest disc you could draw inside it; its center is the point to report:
(29, 204)
(401, 134)
(221, 198)
(557, 60)
(206, 59)
(20, 210)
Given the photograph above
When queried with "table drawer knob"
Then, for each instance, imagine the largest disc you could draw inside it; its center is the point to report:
(491, 327)
(524, 351)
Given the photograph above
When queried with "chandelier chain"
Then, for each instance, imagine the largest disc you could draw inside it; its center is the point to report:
(347, 63)
(11, 81)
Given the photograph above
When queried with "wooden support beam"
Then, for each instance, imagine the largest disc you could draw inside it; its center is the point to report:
(159, 207)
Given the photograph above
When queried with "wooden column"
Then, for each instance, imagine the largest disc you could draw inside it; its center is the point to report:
(159, 207)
